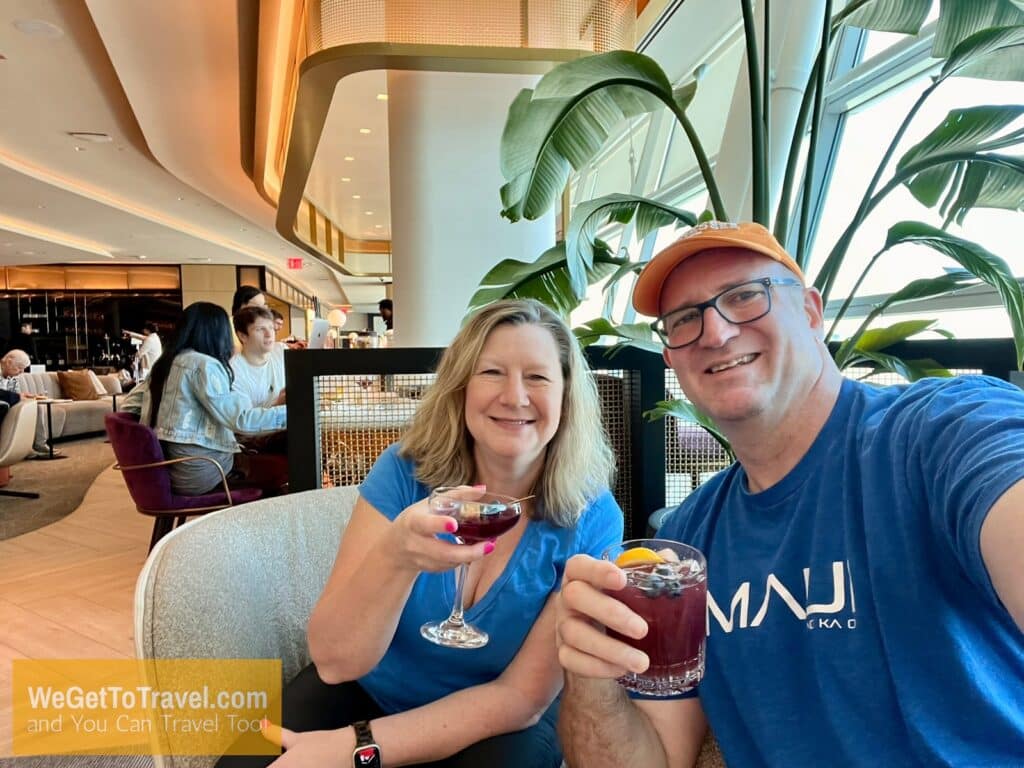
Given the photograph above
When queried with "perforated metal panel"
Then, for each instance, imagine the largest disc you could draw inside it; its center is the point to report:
(358, 417)
(692, 455)
(592, 25)
(617, 393)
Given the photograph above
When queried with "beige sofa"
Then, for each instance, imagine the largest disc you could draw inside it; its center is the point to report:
(75, 417)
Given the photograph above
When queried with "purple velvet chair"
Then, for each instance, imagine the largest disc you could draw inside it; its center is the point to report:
(141, 459)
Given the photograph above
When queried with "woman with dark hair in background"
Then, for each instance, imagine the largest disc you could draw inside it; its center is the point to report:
(247, 296)
(188, 401)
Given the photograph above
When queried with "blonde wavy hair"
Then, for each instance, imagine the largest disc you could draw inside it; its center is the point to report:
(578, 463)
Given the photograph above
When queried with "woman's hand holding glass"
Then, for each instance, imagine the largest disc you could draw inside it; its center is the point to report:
(415, 544)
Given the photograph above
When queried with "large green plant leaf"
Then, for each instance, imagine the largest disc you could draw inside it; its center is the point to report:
(992, 54)
(975, 259)
(589, 217)
(546, 279)
(904, 16)
(632, 335)
(567, 119)
(987, 185)
(911, 370)
(876, 339)
(961, 138)
(959, 19)
(922, 288)
(686, 411)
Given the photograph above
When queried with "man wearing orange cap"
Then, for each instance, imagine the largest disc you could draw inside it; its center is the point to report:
(865, 582)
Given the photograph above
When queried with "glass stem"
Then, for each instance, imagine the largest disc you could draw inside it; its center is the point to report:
(460, 583)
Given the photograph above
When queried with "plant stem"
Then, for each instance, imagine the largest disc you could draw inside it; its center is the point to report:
(853, 292)
(702, 161)
(863, 209)
(839, 250)
(819, 94)
(766, 76)
(782, 216)
(757, 134)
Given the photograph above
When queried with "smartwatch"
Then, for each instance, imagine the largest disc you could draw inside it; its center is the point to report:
(367, 753)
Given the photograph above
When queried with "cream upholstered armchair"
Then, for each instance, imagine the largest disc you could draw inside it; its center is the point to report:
(241, 583)
(17, 431)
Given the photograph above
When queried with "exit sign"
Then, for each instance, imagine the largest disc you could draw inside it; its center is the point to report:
(295, 263)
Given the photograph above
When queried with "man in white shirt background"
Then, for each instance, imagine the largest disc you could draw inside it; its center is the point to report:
(259, 366)
(150, 349)
(259, 374)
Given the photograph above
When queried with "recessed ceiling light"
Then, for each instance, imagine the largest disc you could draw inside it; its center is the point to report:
(364, 130)
(180, 198)
(378, 226)
(79, 149)
(38, 28)
(93, 137)
(142, 255)
(349, 158)
(346, 178)
(356, 197)
(41, 207)
(382, 97)
(369, 213)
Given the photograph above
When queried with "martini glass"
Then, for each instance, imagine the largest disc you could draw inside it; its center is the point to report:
(481, 515)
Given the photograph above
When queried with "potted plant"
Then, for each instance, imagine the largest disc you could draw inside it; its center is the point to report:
(960, 165)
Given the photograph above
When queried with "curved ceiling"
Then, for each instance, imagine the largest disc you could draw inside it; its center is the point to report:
(172, 190)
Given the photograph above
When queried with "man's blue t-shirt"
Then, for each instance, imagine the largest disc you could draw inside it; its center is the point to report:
(414, 671)
(851, 619)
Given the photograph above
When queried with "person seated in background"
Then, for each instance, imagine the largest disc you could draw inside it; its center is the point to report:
(259, 375)
(291, 342)
(259, 365)
(514, 409)
(12, 365)
(188, 401)
(247, 296)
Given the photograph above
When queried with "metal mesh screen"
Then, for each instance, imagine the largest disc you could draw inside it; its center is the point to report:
(358, 417)
(592, 25)
(617, 394)
(691, 454)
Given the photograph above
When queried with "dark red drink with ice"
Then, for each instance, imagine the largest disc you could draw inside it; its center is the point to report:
(671, 596)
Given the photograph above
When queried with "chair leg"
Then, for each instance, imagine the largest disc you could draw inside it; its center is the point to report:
(161, 527)
(180, 520)
(20, 494)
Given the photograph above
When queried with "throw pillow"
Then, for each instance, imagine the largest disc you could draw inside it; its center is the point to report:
(77, 385)
(97, 384)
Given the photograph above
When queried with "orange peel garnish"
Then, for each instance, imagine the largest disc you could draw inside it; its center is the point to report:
(638, 556)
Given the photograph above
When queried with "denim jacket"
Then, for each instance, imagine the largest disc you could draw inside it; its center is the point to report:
(198, 406)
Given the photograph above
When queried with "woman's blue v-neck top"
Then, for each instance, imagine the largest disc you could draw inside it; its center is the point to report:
(413, 671)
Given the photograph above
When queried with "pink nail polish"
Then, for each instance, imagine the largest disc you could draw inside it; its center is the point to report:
(488, 547)
(480, 487)
(451, 526)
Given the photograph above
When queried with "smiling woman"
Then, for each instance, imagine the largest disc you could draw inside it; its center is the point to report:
(514, 411)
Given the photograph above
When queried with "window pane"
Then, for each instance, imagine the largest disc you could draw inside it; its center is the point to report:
(868, 130)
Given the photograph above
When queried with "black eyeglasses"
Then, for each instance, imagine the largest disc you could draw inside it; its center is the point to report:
(743, 303)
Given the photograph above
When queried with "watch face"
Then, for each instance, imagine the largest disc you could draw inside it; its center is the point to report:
(367, 757)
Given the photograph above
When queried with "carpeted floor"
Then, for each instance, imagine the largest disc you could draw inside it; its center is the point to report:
(61, 483)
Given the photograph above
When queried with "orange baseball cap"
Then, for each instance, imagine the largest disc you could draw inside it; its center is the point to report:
(703, 237)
